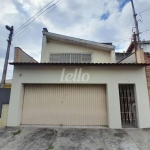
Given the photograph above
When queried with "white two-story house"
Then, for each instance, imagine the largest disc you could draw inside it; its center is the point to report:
(77, 83)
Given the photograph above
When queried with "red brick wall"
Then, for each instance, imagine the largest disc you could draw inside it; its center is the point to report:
(147, 68)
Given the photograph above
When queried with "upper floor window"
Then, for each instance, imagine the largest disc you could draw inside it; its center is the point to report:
(70, 58)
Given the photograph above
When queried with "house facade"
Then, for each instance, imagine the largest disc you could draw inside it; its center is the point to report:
(78, 83)
(145, 45)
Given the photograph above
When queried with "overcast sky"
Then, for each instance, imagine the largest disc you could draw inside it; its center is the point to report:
(96, 20)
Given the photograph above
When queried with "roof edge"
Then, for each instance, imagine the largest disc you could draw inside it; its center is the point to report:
(80, 64)
(77, 41)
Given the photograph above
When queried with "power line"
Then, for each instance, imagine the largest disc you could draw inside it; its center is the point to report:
(116, 39)
(34, 15)
(144, 11)
(37, 17)
(131, 20)
(126, 45)
(146, 33)
(113, 39)
(53, 8)
(127, 27)
(118, 43)
(145, 30)
(19, 33)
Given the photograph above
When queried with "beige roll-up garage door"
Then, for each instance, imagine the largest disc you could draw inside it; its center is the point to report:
(64, 105)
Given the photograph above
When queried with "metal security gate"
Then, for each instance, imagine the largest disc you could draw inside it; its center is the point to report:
(127, 105)
(64, 105)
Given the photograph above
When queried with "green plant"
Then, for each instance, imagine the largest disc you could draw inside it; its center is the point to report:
(17, 132)
(50, 148)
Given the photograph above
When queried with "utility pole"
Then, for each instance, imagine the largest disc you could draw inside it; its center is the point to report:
(135, 43)
(136, 25)
(11, 29)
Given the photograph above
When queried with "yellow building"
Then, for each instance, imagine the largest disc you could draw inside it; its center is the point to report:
(4, 110)
(8, 83)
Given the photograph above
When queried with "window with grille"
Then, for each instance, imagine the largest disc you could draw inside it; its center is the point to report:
(65, 58)
(76, 58)
(86, 58)
(70, 58)
(55, 58)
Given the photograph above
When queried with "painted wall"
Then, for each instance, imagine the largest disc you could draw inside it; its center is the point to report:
(98, 56)
(4, 116)
(111, 76)
(129, 59)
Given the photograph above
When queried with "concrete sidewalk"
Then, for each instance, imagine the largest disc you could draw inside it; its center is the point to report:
(32, 138)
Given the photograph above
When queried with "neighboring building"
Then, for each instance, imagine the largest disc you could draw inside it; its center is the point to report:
(120, 55)
(3, 115)
(145, 45)
(4, 102)
(147, 69)
(78, 82)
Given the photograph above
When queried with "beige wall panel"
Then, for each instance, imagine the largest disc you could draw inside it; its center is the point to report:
(3, 119)
(64, 105)
(129, 59)
(98, 56)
